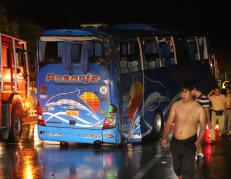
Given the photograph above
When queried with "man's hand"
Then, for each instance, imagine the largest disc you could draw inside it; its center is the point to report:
(163, 142)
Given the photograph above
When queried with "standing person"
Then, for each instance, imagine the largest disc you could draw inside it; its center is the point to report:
(182, 121)
(228, 110)
(218, 106)
(205, 103)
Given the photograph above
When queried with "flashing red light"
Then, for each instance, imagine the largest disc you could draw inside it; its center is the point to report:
(41, 120)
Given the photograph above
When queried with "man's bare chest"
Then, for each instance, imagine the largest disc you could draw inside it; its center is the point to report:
(185, 113)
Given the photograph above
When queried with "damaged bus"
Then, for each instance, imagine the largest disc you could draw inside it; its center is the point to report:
(113, 86)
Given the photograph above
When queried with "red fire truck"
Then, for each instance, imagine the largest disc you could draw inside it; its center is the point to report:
(14, 87)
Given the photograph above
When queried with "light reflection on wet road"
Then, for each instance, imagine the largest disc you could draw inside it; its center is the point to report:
(83, 161)
(76, 161)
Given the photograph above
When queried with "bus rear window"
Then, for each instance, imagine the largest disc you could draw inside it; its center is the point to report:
(53, 52)
(75, 52)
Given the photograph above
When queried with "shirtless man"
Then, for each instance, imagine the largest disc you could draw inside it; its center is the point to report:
(182, 120)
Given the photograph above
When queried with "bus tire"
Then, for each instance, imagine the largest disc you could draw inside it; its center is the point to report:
(158, 124)
(16, 124)
(97, 144)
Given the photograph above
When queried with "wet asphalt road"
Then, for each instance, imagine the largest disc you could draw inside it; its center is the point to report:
(30, 160)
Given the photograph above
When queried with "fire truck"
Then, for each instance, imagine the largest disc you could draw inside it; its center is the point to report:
(14, 87)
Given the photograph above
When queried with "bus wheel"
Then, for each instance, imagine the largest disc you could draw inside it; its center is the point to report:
(158, 124)
(97, 144)
(16, 124)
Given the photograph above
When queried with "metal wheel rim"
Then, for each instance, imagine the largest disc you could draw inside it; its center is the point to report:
(157, 123)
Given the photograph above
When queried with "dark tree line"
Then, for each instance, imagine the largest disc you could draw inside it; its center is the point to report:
(22, 29)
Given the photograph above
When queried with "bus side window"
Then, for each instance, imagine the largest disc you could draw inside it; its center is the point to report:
(100, 53)
(133, 56)
(192, 50)
(172, 51)
(151, 55)
(166, 54)
(203, 50)
(96, 52)
(182, 51)
(123, 58)
(133, 64)
(123, 65)
(129, 57)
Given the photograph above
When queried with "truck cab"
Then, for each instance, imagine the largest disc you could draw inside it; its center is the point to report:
(14, 86)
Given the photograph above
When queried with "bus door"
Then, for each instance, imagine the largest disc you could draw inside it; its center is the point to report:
(131, 88)
(73, 86)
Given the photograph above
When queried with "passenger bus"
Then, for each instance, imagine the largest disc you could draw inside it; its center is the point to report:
(114, 85)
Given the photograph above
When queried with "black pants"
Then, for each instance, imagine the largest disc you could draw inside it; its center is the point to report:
(183, 154)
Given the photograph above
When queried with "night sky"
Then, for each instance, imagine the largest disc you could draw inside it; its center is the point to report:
(208, 16)
(201, 15)
(204, 14)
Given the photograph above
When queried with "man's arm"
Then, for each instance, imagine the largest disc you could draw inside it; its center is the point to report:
(168, 126)
(202, 121)
(210, 93)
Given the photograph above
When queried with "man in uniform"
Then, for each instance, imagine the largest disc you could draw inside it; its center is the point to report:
(218, 107)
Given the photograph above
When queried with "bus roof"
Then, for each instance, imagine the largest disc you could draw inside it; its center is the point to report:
(79, 32)
(152, 29)
(133, 27)
(125, 29)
